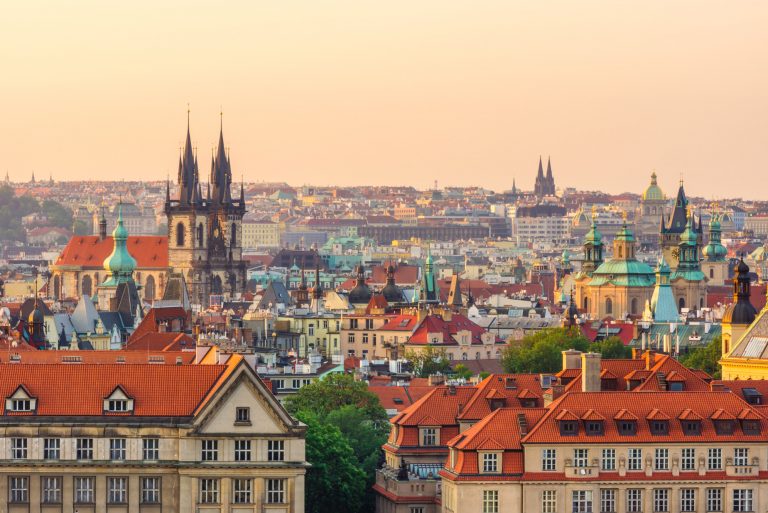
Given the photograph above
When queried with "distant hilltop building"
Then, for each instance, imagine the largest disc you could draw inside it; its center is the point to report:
(137, 220)
(545, 185)
(205, 229)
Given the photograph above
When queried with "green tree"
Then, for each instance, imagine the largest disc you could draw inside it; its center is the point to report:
(428, 361)
(12, 209)
(611, 348)
(462, 371)
(542, 351)
(333, 392)
(335, 482)
(705, 358)
(58, 215)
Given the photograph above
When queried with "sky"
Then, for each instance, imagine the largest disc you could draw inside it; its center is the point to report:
(332, 92)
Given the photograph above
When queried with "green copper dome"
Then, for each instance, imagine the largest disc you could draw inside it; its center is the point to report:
(689, 235)
(714, 250)
(120, 262)
(593, 235)
(653, 192)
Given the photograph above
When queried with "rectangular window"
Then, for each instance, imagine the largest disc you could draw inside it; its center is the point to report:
(151, 448)
(242, 492)
(117, 405)
(688, 459)
(117, 490)
(51, 489)
(84, 448)
(581, 501)
(242, 450)
(365, 338)
(661, 459)
(714, 500)
(311, 330)
(117, 448)
(634, 500)
(21, 405)
(608, 461)
(548, 459)
(742, 499)
(416, 509)
(209, 491)
(490, 462)
(18, 489)
(687, 500)
(210, 450)
(19, 448)
(635, 459)
(607, 500)
(351, 338)
(150, 490)
(51, 448)
(549, 501)
(275, 491)
(490, 501)
(714, 458)
(429, 436)
(580, 457)
(741, 456)
(85, 490)
(275, 450)
(242, 415)
(660, 500)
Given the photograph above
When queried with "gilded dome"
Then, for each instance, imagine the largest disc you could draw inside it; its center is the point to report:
(653, 192)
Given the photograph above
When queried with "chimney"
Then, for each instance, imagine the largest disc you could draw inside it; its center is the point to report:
(551, 395)
(650, 359)
(571, 359)
(590, 372)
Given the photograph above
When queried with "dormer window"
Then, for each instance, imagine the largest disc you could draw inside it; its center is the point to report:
(692, 427)
(593, 427)
(659, 427)
(627, 427)
(569, 428)
(118, 401)
(750, 427)
(20, 401)
(724, 427)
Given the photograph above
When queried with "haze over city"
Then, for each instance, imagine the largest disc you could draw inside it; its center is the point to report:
(466, 93)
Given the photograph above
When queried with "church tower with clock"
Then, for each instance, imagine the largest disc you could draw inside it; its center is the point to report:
(205, 230)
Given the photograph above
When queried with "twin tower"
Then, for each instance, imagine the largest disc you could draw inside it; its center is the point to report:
(205, 227)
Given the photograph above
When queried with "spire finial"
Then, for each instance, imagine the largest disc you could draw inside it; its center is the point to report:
(188, 111)
(221, 118)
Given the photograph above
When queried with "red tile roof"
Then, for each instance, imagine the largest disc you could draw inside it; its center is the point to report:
(632, 405)
(79, 390)
(448, 329)
(89, 251)
(103, 357)
(504, 386)
(167, 341)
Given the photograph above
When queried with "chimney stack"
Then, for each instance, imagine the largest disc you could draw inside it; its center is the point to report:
(590, 372)
(571, 359)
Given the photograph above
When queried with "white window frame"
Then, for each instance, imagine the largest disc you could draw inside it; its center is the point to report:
(208, 491)
(85, 489)
(18, 489)
(150, 449)
(117, 449)
(549, 501)
(688, 459)
(489, 462)
(50, 487)
(581, 501)
(429, 436)
(117, 490)
(490, 501)
(687, 500)
(661, 500)
(714, 500)
(19, 448)
(608, 461)
(634, 459)
(209, 450)
(275, 491)
(242, 450)
(275, 450)
(608, 500)
(150, 489)
(742, 499)
(634, 500)
(740, 456)
(580, 457)
(714, 458)
(661, 458)
(51, 448)
(548, 460)
(242, 491)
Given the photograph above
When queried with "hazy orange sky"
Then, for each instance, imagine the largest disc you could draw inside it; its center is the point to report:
(403, 92)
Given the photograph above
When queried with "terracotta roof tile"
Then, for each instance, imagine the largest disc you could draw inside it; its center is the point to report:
(89, 251)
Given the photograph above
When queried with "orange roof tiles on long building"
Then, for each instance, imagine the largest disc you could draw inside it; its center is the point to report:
(90, 251)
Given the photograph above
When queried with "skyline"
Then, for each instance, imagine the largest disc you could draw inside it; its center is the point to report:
(350, 94)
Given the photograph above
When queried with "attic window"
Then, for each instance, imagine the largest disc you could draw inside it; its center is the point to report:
(752, 396)
(724, 427)
(593, 427)
(397, 400)
(692, 427)
(627, 427)
(676, 386)
(118, 402)
(20, 401)
(750, 427)
(569, 428)
(242, 415)
(659, 427)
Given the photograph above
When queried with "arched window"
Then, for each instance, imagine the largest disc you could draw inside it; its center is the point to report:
(216, 285)
(87, 285)
(200, 235)
(711, 272)
(149, 288)
(56, 287)
(180, 235)
(701, 302)
(586, 304)
(681, 303)
(633, 306)
(608, 306)
(233, 236)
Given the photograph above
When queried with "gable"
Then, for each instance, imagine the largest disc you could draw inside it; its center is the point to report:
(243, 390)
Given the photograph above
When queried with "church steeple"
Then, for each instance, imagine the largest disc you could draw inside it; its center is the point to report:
(188, 174)
(593, 247)
(120, 264)
(221, 172)
(550, 180)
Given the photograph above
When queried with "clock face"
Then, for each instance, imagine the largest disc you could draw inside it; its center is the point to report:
(676, 253)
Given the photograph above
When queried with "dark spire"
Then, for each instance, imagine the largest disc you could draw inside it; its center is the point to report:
(541, 169)
(188, 175)
(550, 180)
(221, 173)
(741, 311)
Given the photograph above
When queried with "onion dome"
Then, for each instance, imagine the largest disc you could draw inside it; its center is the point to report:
(361, 294)
(689, 235)
(741, 311)
(593, 235)
(653, 192)
(120, 263)
(391, 291)
(714, 250)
